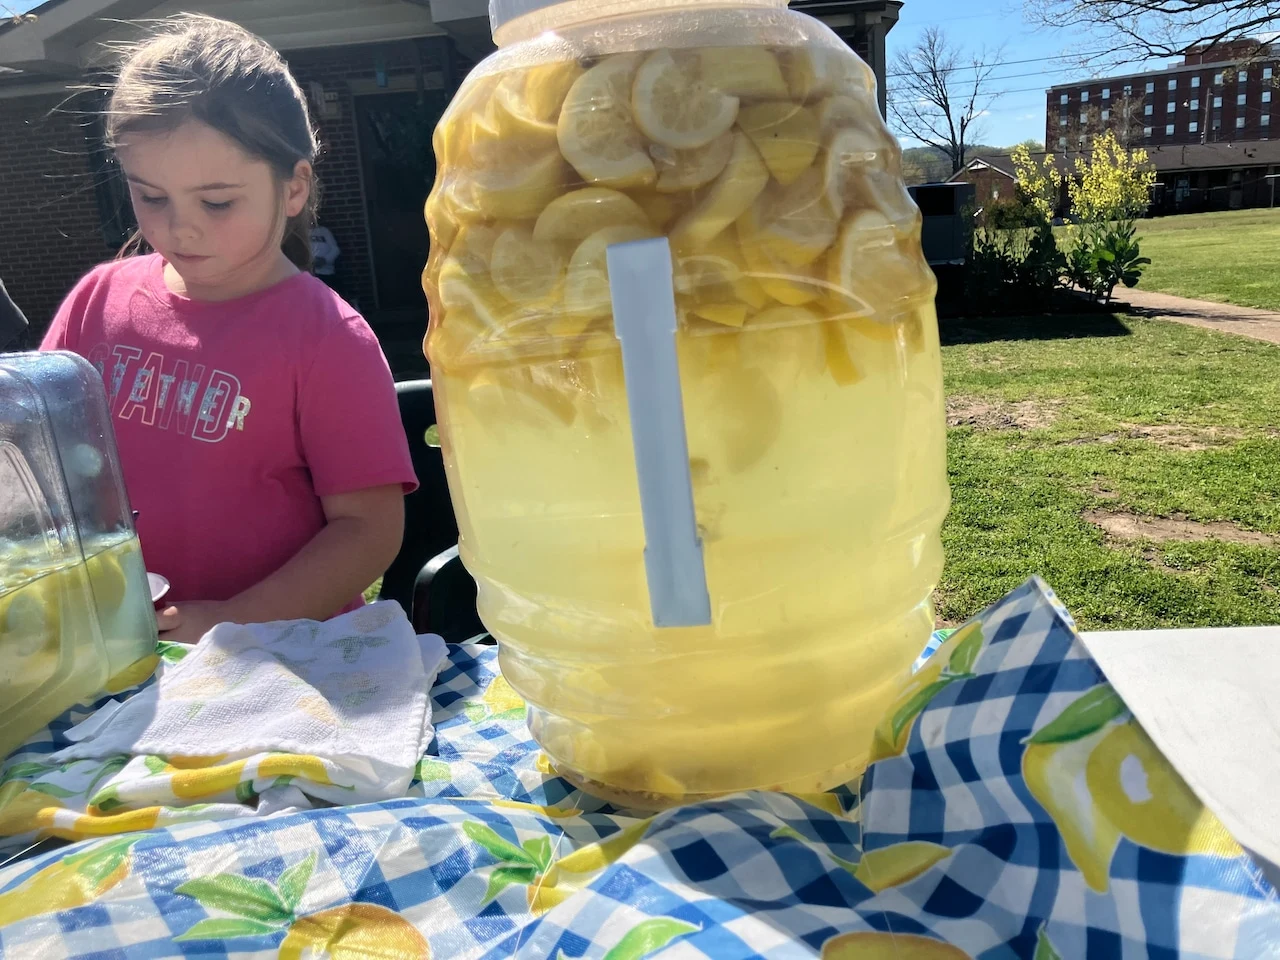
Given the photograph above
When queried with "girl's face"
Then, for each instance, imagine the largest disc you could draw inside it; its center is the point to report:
(213, 212)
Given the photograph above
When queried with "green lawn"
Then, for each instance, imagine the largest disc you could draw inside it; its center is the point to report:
(1114, 423)
(1227, 257)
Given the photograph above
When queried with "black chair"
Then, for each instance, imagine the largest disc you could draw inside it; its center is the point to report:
(427, 578)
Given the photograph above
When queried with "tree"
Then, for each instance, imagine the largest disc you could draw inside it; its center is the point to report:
(938, 94)
(1113, 183)
(1127, 31)
(1039, 182)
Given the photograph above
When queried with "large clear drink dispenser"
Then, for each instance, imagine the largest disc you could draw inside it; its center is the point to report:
(75, 607)
(690, 395)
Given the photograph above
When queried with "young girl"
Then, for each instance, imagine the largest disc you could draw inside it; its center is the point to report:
(254, 411)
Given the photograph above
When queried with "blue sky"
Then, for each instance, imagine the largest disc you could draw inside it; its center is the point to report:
(1019, 113)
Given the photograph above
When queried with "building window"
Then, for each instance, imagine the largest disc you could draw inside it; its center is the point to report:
(1217, 123)
(1217, 79)
(1170, 107)
(1266, 119)
(1148, 110)
(1106, 115)
(1266, 73)
(1240, 100)
(1084, 116)
(1151, 86)
(1243, 76)
(1106, 93)
(1217, 103)
(1084, 96)
(1266, 96)
(1062, 121)
(1064, 100)
(1168, 131)
(1062, 143)
(1146, 132)
(1239, 123)
(1195, 82)
(1128, 89)
(1195, 104)
(1193, 127)
(1173, 83)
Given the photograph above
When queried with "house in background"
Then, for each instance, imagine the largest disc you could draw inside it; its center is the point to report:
(378, 73)
(1191, 178)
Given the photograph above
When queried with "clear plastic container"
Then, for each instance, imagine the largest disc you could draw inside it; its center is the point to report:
(754, 640)
(75, 606)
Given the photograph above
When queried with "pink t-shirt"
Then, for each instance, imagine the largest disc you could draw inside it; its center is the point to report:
(233, 419)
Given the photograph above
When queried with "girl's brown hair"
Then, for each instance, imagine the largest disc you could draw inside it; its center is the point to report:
(202, 68)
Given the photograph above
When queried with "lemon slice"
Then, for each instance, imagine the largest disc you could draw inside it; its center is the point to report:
(717, 271)
(837, 112)
(849, 155)
(473, 249)
(689, 169)
(726, 199)
(797, 223)
(840, 363)
(867, 271)
(784, 282)
(725, 314)
(660, 208)
(459, 290)
(820, 71)
(787, 136)
(454, 134)
(441, 222)
(752, 73)
(596, 132)
(787, 342)
(580, 213)
(524, 270)
(517, 187)
(587, 282)
(676, 105)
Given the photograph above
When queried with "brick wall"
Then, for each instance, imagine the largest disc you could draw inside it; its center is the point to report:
(986, 183)
(52, 229)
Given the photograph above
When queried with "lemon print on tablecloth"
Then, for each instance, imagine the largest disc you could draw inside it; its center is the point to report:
(549, 882)
(1100, 778)
(72, 882)
(881, 869)
(889, 946)
(248, 907)
(499, 702)
(953, 661)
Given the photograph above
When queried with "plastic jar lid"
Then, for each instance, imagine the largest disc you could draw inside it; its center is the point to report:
(515, 20)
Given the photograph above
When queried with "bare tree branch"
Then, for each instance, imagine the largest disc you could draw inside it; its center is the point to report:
(1131, 31)
(939, 95)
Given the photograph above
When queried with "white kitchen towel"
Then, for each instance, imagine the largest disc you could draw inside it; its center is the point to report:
(353, 691)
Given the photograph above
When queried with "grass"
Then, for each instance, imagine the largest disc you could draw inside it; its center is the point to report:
(1019, 495)
(1225, 257)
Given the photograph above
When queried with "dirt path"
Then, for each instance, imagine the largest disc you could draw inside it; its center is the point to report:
(1244, 321)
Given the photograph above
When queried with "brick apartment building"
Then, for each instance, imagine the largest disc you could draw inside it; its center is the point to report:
(378, 73)
(1205, 124)
(1222, 95)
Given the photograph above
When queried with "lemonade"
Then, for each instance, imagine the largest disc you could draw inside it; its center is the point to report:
(811, 378)
(47, 632)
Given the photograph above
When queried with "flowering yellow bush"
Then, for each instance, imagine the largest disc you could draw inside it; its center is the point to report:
(1040, 183)
(1112, 184)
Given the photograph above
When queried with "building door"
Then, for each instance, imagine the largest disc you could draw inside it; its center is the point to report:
(394, 131)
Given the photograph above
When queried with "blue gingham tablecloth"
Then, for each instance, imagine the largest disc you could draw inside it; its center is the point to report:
(1014, 810)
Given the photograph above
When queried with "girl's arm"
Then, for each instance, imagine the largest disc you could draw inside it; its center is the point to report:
(361, 537)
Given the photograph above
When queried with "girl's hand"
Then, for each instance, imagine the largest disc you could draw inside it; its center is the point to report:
(188, 622)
